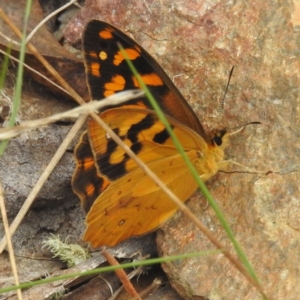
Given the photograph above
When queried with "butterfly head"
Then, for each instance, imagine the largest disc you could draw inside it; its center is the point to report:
(220, 138)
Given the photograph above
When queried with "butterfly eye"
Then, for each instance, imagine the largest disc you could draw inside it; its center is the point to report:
(217, 139)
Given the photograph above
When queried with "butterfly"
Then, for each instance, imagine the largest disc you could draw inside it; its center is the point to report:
(121, 201)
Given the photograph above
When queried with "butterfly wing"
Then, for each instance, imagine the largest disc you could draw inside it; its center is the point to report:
(108, 73)
(134, 205)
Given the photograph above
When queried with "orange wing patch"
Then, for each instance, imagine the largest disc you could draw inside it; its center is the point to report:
(117, 84)
(106, 34)
(131, 53)
(149, 79)
(95, 69)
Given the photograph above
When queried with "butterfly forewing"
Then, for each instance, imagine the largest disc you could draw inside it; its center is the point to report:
(108, 72)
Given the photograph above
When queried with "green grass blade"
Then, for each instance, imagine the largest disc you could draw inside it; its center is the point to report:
(4, 67)
(18, 87)
(147, 262)
(200, 183)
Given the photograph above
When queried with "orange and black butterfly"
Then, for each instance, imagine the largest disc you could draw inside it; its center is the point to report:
(121, 201)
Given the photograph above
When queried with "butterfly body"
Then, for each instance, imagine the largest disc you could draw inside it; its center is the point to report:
(120, 199)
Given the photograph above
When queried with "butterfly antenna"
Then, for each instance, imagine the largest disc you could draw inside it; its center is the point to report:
(240, 128)
(221, 109)
(219, 135)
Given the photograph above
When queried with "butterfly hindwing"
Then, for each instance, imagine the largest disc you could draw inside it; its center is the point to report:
(135, 205)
